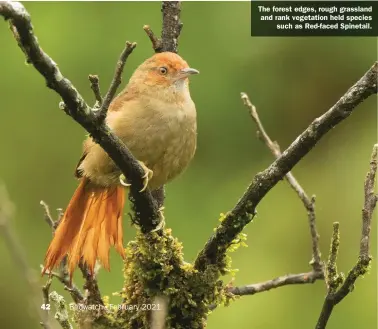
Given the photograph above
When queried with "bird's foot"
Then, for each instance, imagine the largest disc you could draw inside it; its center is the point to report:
(122, 180)
(148, 173)
(161, 225)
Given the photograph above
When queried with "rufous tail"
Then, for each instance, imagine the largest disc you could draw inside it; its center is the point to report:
(91, 224)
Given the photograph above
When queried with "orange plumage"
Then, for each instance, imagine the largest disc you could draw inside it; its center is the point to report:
(156, 118)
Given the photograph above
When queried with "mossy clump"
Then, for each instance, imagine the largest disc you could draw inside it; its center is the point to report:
(155, 267)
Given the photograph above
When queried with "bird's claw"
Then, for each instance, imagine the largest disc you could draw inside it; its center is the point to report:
(122, 180)
(161, 225)
(148, 173)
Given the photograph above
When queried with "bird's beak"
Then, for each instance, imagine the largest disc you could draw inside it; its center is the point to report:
(184, 73)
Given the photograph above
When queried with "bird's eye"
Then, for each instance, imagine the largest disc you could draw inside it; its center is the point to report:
(163, 70)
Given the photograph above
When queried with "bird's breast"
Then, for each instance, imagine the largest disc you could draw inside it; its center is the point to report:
(161, 134)
(174, 144)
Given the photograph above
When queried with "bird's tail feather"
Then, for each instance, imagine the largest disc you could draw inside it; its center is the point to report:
(91, 224)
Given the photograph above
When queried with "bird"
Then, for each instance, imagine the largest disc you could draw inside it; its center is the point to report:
(155, 117)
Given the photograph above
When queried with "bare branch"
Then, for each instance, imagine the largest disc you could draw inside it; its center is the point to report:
(46, 291)
(171, 25)
(48, 218)
(244, 211)
(281, 281)
(289, 279)
(95, 86)
(77, 108)
(63, 278)
(117, 79)
(308, 203)
(156, 42)
(335, 294)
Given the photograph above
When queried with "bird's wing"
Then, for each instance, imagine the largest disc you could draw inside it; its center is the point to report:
(128, 94)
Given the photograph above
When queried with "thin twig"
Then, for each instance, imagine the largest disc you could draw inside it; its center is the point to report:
(244, 211)
(308, 203)
(289, 279)
(18, 256)
(281, 281)
(48, 218)
(75, 293)
(369, 205)
(117, 79)
(156, 42)
(75, 106)
(338, 288)
(46, 291)
(95, 86)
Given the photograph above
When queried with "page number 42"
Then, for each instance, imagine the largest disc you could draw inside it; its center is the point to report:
(45, 307)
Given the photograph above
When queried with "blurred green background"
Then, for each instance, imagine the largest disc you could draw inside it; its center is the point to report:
(290, 80)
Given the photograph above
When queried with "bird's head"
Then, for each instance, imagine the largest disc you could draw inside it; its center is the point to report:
(164, 70)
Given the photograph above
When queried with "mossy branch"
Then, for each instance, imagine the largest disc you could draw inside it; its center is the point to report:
(61, 314)
(338, 287)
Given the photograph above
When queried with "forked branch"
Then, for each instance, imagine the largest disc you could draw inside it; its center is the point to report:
(309, 203)
(338, 287)
(244, 211)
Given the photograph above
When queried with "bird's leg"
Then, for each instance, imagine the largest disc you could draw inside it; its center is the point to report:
(148, 173)
(162, 220)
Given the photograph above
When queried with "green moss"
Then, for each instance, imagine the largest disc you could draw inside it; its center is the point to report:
(155, 267)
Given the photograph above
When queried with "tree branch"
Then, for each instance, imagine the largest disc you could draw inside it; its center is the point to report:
(156, 42)
(289, 279)
(77, 108)
(335, 294)
(244, 211)
(171, 28)
(171, 25)
(308, 203)
(117, 79)
(332, 277)
(95, 86)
